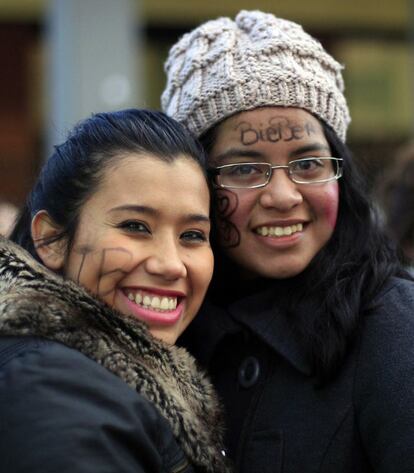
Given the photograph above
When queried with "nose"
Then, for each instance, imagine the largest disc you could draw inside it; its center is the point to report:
(280, 193)
(166, 261)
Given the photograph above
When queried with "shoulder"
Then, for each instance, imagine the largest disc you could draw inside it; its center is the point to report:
(387, 328)
(397, 290)
(36, 361)
(384, 382)
(62, 410)
(385, 360)
(392, 312)
(50, 374)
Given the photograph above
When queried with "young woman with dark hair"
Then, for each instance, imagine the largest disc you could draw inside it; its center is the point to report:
(308, 324)
(112, 274)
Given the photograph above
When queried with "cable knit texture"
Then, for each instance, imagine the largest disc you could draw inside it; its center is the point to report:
(225, 66)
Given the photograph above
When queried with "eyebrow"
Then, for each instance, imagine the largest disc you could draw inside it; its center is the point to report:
(144, 209)
(308, 148)
(198, 218)
(237, 153)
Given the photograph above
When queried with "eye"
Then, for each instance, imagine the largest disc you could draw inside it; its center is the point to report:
(194, 236)
(243, 170)
(308, 164)
(134, 226)
(318, 169)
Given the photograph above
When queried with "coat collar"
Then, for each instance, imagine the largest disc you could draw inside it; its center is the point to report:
(262, 312)
(265, 314)
(37, 302)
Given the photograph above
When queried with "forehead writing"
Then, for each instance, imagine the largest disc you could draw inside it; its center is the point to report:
(277, 128)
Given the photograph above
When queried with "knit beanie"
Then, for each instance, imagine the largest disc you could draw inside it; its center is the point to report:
(225, 66)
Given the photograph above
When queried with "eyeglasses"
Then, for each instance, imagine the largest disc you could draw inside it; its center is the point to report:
(310, 170)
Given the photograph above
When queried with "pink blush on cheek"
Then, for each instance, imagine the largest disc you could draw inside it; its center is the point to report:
(330, 205)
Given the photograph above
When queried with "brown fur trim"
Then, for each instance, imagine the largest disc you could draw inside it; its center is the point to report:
(37, 302)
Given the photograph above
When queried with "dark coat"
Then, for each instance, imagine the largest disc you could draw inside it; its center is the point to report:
(85, 389)
(280, 420)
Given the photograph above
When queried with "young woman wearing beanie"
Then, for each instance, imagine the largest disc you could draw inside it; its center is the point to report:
(308, 327)
(89, 378)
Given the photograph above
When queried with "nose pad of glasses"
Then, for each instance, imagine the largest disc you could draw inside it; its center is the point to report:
(271, 171)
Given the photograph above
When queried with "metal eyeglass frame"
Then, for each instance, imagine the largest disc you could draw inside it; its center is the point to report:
(216, 172)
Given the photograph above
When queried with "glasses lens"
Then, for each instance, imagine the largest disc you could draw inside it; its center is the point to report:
(313, 169)
(243, 175)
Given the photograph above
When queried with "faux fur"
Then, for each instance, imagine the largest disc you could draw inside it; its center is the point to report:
(36, 302)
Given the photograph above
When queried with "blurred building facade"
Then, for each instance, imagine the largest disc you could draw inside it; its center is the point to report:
(372, 38)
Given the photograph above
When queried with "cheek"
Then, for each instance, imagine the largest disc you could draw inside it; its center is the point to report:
(234, 206)
(329, 204)
(202, 272)
(113, 265)
(100, 269)
(233, 210)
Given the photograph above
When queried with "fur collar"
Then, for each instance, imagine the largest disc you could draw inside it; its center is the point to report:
(36, 302)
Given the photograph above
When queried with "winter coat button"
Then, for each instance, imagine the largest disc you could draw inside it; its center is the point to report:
(249, 372)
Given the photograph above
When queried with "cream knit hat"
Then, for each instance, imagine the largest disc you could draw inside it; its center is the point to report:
(225, 66)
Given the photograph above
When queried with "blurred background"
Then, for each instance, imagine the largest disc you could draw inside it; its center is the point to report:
(63, 59)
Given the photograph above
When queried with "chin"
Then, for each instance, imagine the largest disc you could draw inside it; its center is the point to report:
(277, 274)
(278, 270)
(164, 336)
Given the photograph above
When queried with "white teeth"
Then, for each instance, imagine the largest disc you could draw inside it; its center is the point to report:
(280, 231)
(157, 303)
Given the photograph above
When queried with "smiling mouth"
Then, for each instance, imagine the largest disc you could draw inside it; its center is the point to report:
(153, 302)
(279, 231)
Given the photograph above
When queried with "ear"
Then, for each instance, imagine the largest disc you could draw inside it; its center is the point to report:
(44, 228)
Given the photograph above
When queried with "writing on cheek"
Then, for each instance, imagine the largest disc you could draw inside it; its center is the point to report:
(83, 251)
(111, 263)
(277, 129)
(108, 268)
(226, 204)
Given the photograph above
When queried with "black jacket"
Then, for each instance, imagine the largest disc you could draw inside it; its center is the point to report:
(84, 389)
(280, 420)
